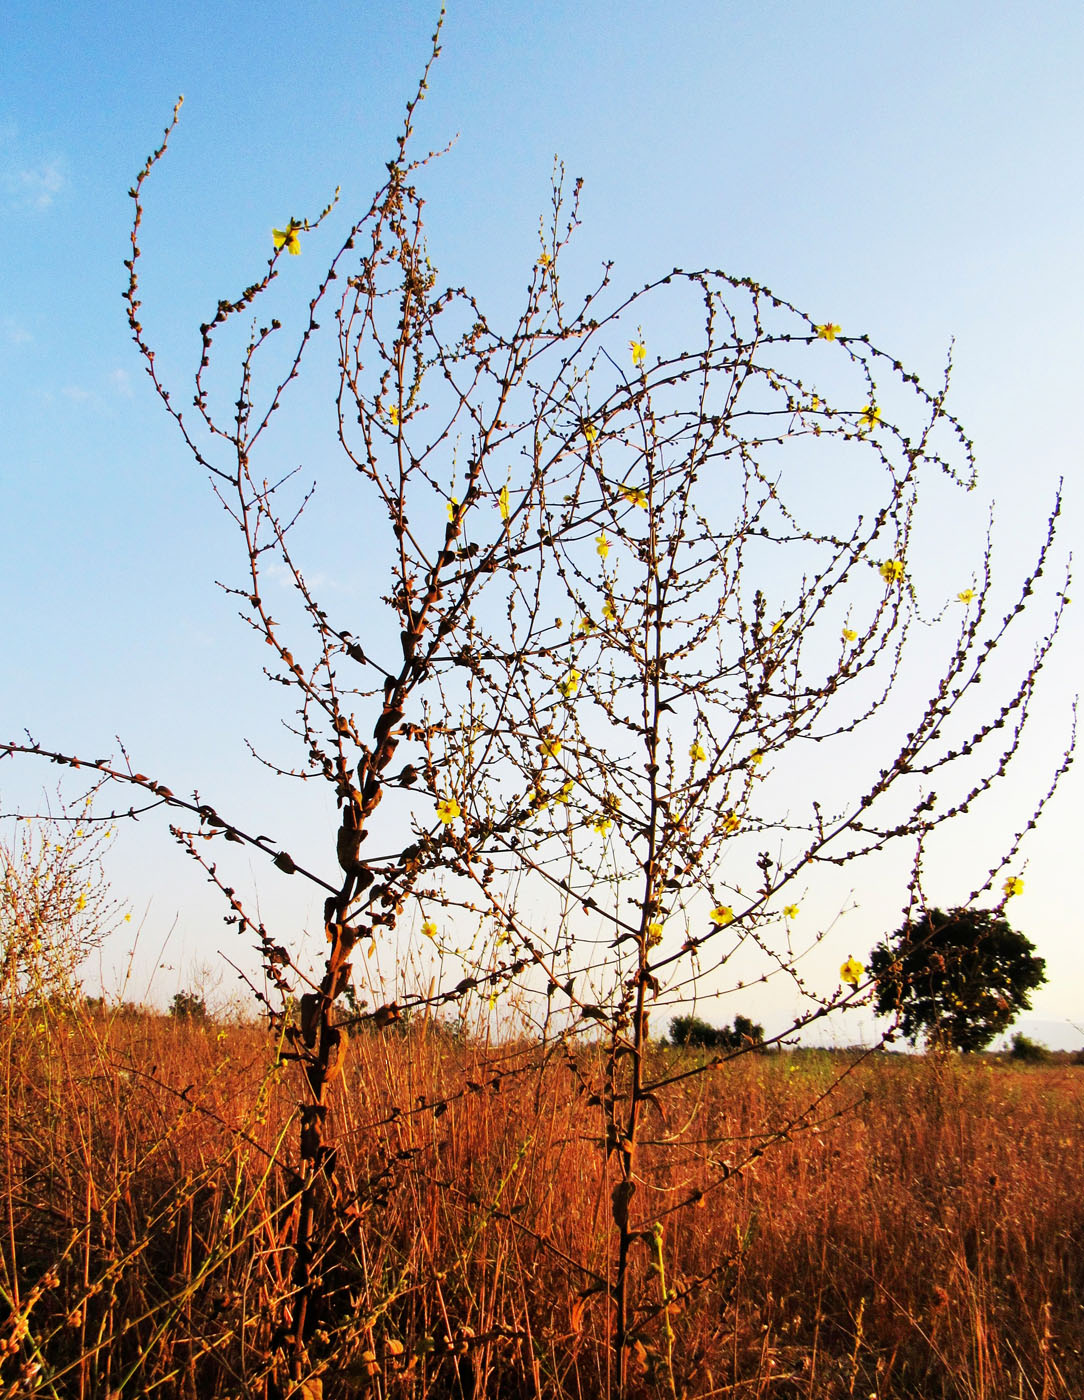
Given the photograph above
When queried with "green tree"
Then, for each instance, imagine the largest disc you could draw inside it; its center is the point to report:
(957, 978)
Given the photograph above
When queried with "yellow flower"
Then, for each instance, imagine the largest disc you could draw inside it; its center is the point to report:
(777, 626)
(790, 911)
(608, 610)
(851, 972)
(1013, 885)
(757, 756)
(453, 509)
(287, 237)
(731, 822)
(590, 432)
(722, 915)
(545, 260)
(602, 546)
(447, 810)
(828, 331)
(601, 824)
(697, 754)
(639, 352)
(586, 626)
(502, 502)
(869, 417)
(128, 918)
(849, 634)
(654, 935)
(564, 792)
(81, 902)
(634, 496)
(570, 684)
(551, 746)
(429, 928)
(393, 416)
(966, 596)
(891, 570)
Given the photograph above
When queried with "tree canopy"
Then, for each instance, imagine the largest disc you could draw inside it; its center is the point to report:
(958, 977)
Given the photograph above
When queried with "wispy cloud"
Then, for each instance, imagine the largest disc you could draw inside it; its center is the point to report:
(36, 187)
(121, 382)
(77, 393)
(28, 184)
(12, 332)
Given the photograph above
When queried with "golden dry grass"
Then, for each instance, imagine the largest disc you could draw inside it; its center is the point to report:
(921, 1235)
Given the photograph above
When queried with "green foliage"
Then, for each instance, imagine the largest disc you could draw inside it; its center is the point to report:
(1027, 1050)
(958, 978)
(691, 1030)
(188, 1006)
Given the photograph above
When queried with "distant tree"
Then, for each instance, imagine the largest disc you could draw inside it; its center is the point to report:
(691, 1030)
(55, 904)
(188, 1006)
(958, 978)
(1028, 1050)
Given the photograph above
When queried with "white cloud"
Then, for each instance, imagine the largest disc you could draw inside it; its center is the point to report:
(77, 393)
(121, 382)
(28, 185)
(13, 333)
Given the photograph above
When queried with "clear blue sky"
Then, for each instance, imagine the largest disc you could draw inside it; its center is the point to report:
(913, 171)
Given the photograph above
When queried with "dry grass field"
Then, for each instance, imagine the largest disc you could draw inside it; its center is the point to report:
(919, 1232)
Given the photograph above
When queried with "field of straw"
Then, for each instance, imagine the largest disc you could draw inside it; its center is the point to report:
(918, 1232)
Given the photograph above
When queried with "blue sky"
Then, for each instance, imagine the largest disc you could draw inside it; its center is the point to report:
(913, 171)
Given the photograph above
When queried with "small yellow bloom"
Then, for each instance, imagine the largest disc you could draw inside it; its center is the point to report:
(590, 432)
(757, 756)
(570, 684)
(545, 260)
(869, 417)
(849, 634)
(81, 902)
(634, 496)
(551, 746)
(697, 754)
(601, 824)
(127, 918)
(447, 810)
(586, 626)
(891, 570)
(828, 331)
(851, 972)
(429, 928)
(564, 792)
(602, 546)
(1013, 885)
(731, 822)
(777, 626)
(722, 915)
(814, 402)
(654, 935)
(287, 237)
(453, 510)
(790, 911)
(639, 352)
(502, 502)
(393, 416)
(966, 596)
